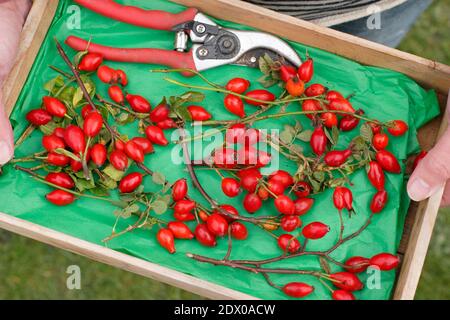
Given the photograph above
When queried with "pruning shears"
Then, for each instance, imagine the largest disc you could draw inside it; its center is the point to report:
(212, 45)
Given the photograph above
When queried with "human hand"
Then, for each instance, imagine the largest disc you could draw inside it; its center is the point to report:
(12, 17)
(433, 171)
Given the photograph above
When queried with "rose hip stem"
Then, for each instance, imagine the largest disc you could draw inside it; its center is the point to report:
(39, 178)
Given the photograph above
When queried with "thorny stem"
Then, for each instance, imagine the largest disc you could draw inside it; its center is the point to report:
(262, 102)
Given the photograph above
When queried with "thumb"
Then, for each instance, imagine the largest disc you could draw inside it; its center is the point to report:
(6, 137)
(432, 172)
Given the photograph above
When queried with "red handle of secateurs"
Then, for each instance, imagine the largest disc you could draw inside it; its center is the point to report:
(169, 58)
(153, 19)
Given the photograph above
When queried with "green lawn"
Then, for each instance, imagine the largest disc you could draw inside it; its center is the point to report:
(31, 270)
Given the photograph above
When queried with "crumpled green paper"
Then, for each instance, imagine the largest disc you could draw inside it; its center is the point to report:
(383, 94)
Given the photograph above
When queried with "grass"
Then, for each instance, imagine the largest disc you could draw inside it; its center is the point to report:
(32, 270)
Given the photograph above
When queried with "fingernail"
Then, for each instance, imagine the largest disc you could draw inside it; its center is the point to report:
(5, 152)
(419, 190)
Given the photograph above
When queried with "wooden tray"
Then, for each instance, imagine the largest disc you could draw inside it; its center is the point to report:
(421, 217)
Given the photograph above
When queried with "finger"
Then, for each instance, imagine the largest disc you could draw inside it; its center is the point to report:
(432, 172)
(6, 137)
(12, 17)
(446, 197)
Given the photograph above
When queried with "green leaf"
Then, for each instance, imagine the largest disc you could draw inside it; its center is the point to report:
(158, 178)
(79, 56)
(48, 128)
(67, 95)
(77, 97)
(113, 173)
(83, 184)
(108, 182)
(183, 113)
(319, 176)
(132, 208)
(159, 207)
(286, 136)
(264, 66)
(305, 135)
(366, 132)
(335, 134)
(53, 84)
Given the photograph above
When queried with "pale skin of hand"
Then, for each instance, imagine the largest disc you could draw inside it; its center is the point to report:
(431, 173)
(12, 17)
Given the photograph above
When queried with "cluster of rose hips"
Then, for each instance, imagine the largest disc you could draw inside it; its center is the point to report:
(209, 225)
(347, 281)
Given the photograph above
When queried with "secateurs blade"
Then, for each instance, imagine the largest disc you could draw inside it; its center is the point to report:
(212, 45)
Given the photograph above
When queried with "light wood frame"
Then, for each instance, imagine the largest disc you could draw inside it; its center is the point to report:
(421, 217)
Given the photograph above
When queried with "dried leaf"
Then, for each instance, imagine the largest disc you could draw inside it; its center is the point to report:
(158, 178)
(305, 135)
(159, 207)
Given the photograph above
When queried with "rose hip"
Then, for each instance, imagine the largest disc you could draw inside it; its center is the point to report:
(356, 264)
(346, 281)
(93, 124)
(288, 242)
(144, 144)
(234, 105)
(284, 204)
(204, 236)
(376, 175)
(337, 158)
(119, 160)
(54, 106)
(297, 289)
(238, 85)
(134, 152)
(302, 189)
(38, 117)
(302, 206)
(284, 177)
(311, 106)
(90, 62)
(231, 187)
(74, 138)
(180, 230)
(397, 128)
(184, 206)
(252, 202)
(130, 182)
(295, 87)
(98, 154)
(52, 142)
(343, 198)
(249, 178)
(315, 90)
(380, 141)
(156, 135)
(385, 261)
(60, 197)
(290, 223)
(318, 141)
(179, 190)
(388, 161)
(61, 179)
(378, 201)
(239, 231)
(306, 70)
(287, 72)
(262, 95)
(315, 230)
(138, 103)
(166, 239)
(56, 159)
(198, 113)
(116, 94)
(159, 113)
(217, 224)
(342, 295)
